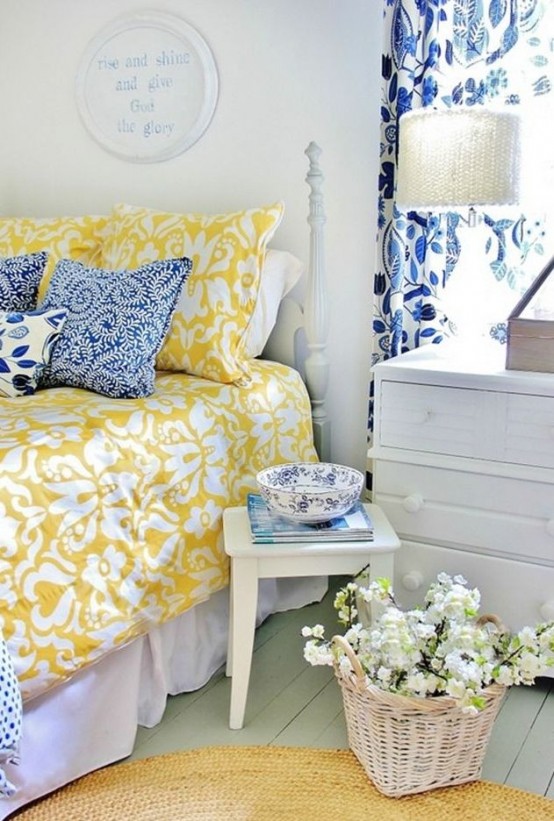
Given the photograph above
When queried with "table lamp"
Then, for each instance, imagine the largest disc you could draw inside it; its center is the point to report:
(458, 158)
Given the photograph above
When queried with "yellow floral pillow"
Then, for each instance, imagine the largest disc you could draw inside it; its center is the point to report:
(207, 334)
(78, 238)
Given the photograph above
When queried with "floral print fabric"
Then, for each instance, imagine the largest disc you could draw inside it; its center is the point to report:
(78, 238)
(26, 342)
(444, 55)
(208, 332)
(19, 280)
(10, 717)
(111, 510)
(116, 324)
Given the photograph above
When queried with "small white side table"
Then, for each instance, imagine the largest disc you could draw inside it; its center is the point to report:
(250, 562)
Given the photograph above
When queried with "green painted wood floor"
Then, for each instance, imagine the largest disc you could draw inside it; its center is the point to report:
(293, 704)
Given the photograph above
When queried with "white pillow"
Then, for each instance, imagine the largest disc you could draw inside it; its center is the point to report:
(280, 273)
(26, 342)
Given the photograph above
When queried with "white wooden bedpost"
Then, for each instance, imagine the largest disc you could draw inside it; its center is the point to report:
(316, 322)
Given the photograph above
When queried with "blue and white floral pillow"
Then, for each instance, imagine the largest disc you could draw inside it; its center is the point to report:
(10, 717)
(19, 280)
(116, 324)
(26, 341)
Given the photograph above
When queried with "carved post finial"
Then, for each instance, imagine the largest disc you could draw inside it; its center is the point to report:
(313, 152)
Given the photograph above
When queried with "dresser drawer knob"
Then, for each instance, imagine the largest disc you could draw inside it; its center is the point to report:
(421, 417)
(550, 527)
(547, 610)
(413, 503)
(412, 580)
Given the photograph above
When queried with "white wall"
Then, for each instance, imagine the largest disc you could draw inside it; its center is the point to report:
(290, 71)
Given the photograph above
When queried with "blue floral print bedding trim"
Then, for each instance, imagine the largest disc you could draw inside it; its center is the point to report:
(10, 718)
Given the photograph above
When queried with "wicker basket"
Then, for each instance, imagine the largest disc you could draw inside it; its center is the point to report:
(407, 744)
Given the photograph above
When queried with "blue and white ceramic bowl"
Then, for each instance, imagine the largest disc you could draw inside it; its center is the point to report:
(310, 492)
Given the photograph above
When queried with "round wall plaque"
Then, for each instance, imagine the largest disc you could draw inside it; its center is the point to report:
(147, 87)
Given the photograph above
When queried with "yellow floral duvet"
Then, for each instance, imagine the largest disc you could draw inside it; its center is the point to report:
(111, 510)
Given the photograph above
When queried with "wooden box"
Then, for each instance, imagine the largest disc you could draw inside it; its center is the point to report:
(531, 326)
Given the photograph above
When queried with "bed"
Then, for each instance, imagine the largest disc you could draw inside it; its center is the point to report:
(114, 474)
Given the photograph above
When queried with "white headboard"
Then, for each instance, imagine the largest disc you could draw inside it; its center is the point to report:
(300, 335)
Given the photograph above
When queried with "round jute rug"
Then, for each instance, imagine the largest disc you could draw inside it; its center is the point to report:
(269, 784)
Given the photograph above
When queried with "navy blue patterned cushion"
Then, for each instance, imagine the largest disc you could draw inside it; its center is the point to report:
(19, 281)
(26, 342)
(116, 324)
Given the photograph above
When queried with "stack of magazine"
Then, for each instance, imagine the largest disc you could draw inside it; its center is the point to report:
(267, 526)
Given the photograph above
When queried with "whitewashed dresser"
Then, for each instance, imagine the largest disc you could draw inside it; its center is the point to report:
(463, 463)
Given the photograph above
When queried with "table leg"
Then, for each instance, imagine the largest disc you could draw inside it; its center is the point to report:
(244, 600)
(229, 660)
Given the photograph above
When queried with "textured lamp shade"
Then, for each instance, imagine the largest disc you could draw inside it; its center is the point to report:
(458, 158)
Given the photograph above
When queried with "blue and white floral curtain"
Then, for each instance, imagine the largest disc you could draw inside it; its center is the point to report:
(449, 53)
(413, 261)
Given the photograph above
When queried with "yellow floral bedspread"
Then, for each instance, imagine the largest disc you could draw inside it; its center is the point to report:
(111, 510)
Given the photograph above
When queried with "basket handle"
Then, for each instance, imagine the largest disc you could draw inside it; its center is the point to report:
(341, 642)
(490, 618)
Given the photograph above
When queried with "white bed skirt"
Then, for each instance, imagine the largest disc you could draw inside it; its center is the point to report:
(91, 720)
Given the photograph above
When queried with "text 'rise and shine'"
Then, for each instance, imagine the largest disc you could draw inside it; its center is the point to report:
(164, 58)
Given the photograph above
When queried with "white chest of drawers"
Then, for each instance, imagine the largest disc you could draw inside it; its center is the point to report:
(463, 464)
